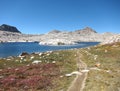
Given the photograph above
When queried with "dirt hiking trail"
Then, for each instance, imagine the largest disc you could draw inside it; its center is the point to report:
(79, 81)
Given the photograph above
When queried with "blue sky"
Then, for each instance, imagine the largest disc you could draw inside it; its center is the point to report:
(42, 16)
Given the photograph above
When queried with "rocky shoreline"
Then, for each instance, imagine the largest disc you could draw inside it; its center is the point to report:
(56, 37)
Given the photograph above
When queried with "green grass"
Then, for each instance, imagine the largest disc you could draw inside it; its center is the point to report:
(108, 78)
(65, 62)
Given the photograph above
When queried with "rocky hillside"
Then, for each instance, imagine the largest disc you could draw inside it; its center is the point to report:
(12, 34)
(83, 35)
(113, 39)
(8, 28)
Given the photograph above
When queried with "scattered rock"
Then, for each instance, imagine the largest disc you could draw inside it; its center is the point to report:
(53, 61)
(24, 54)
(36, 61)
(95, 68)
(97, 64)
(95, 57)
(1, 77)
(85, 70)
(32, 57)
(61, 76)
(73, 73)
(106, 51)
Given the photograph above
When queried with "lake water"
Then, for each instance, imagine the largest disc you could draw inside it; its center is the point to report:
(16, 48)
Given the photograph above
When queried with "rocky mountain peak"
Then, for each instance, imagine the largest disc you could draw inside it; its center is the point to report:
(86, 30)
(54, 31)
(5, 27)
(89, 30)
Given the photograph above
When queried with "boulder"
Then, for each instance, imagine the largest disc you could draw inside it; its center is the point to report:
(24, 54)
